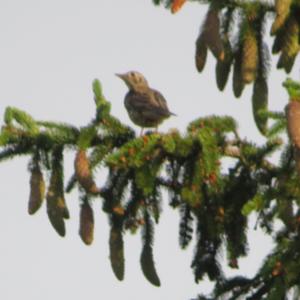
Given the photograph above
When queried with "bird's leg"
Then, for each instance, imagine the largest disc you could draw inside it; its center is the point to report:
(142, 130)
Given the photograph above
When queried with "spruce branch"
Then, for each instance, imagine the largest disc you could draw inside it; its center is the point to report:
(190, 167)
(244, 48)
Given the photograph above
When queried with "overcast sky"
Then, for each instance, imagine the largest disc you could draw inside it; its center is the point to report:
(49, 55)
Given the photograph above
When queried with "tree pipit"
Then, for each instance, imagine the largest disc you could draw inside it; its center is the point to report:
(146, 107)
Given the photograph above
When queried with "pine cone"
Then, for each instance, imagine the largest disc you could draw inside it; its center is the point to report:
(37, 190)
(83, 173)
(249, 56)
(260, 102)
(290, 47)
(116, 247)
(211, 34)
(201, 53)
(238, 83)
(55, 213)
(278, 41)
(86, 229)
(282, 8)
(56, 206)
(293, 122)
(223, 66)
(63, 206)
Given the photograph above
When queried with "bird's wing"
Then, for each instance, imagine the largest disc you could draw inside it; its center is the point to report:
(146, 104)
(160, 100)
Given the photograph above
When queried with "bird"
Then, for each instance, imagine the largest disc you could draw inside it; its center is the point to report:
(146, 107)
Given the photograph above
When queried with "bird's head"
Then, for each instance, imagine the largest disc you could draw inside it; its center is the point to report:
(134, 80)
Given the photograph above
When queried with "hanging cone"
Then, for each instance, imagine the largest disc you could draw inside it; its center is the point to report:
(293, 122)
(201, 53)
(291, 45)
(148, 266)
(63, 205)
(116, 247)
(223, 66)
(37, 190)
(278, 41)
(260, 103)
(211, 34)
(86, 229)
(55, 213)
(249, 56)
(146, 260)
(84, 174)
(238, 83)
(56, 205)
(282, 8)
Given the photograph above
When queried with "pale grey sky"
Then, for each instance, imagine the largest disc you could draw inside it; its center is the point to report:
(49, 55)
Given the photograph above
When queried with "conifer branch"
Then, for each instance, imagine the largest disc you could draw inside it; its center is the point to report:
(190, 167)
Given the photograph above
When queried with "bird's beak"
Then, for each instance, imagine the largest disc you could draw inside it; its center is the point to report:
(122, 76)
